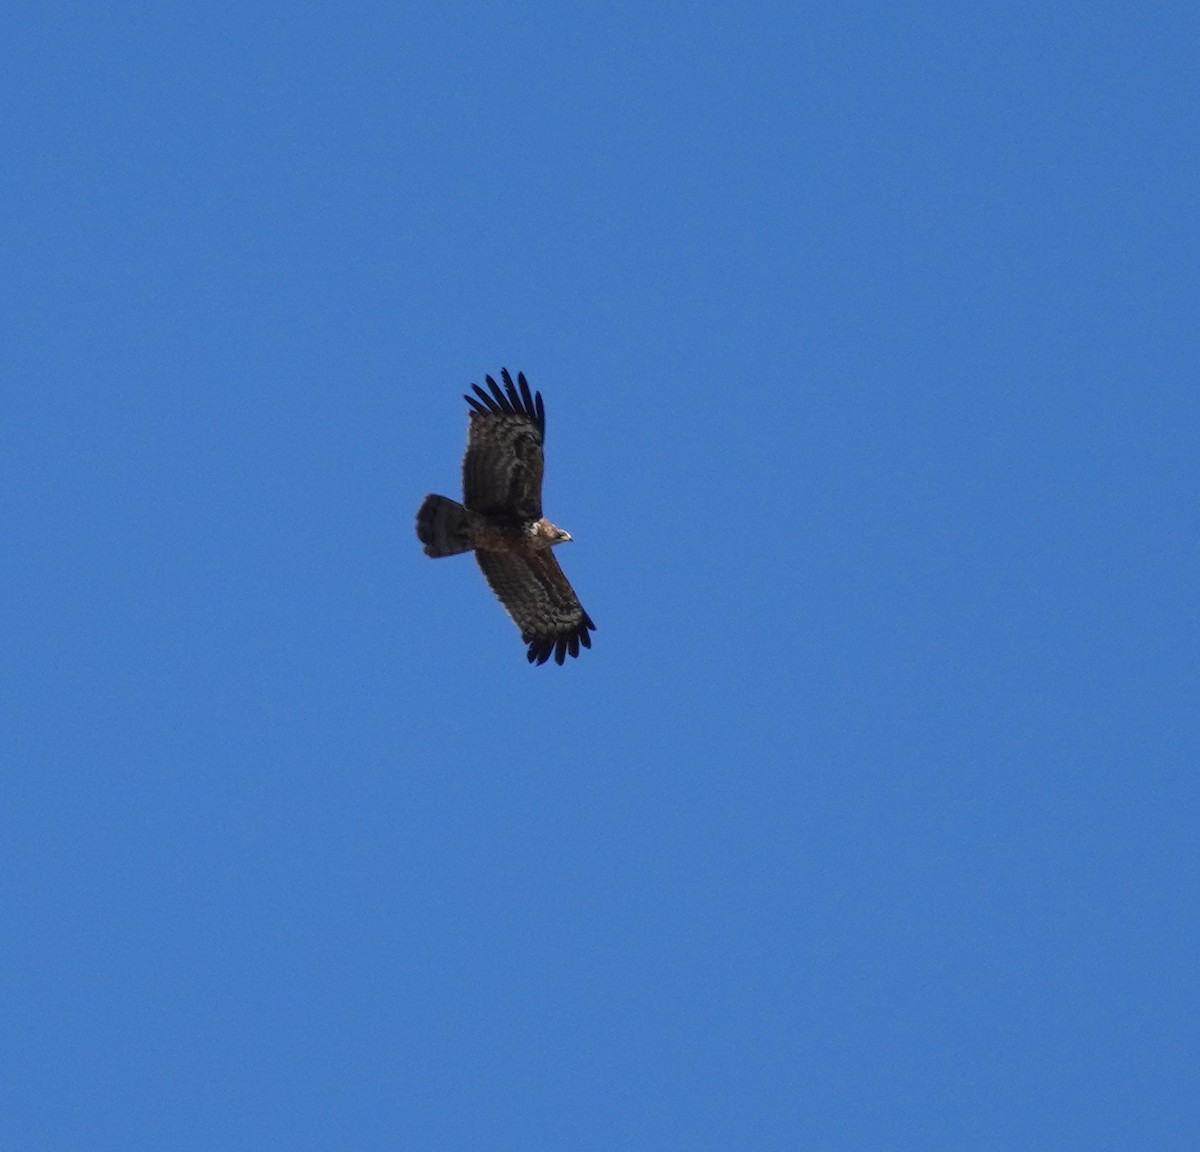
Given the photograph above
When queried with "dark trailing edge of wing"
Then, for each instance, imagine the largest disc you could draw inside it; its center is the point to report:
(509, 401)
(541, 648)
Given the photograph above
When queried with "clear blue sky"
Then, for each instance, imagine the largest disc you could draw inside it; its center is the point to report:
(869, 340)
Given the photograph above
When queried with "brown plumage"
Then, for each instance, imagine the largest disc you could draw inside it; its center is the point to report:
(501, 520)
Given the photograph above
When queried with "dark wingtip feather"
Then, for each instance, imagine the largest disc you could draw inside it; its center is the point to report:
(496, 401)
(532, 405)
(561, 645)
(511, 390)
(485, 402)
(513, 399)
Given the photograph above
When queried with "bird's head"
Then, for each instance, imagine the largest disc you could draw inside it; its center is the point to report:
(550, 533)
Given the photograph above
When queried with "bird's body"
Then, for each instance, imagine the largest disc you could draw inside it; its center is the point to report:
(501, 521)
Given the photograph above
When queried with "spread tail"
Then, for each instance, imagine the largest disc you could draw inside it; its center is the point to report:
(444, 527)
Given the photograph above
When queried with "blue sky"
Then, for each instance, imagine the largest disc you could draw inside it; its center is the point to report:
(868, 336)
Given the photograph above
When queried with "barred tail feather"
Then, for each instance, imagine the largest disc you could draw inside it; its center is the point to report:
(444, 527)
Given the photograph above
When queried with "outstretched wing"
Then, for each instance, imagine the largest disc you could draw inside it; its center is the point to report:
(541, 601)
(502, 470)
